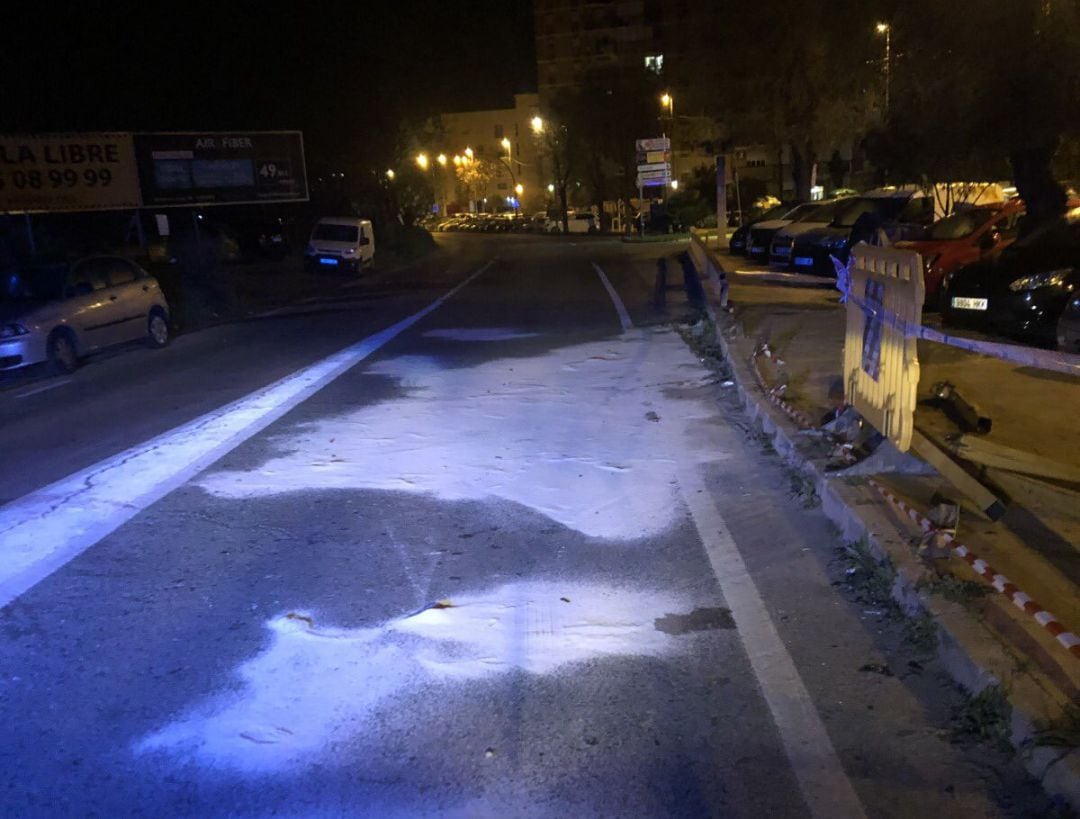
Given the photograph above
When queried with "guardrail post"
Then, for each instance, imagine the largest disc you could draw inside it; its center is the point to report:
(660, 286)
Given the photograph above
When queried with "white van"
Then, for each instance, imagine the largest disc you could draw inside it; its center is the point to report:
(341, 242)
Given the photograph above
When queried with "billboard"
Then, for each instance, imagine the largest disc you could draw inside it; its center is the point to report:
(67, 172)
(225, 168)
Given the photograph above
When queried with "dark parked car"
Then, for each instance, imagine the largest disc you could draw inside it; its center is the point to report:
(739, 239)
(1026, 290)
(1068, 333)
(762, 232)
(899, 214)
(783, 239)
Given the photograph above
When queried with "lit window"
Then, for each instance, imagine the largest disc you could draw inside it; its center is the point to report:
(654, 63)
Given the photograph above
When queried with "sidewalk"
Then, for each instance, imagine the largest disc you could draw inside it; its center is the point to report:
(1034, 545)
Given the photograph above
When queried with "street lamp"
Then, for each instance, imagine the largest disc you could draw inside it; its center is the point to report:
(469, 153)
(537, 124)
(674, 184)
(667, 101)
(886, 30)
(390, 174)
(422, 161)
(551, 187)
(441, 159)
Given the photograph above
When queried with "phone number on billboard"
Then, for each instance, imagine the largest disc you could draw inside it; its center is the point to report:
(55, 179)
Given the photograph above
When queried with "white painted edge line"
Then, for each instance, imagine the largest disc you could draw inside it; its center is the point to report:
(48, 527)
(44, 388)
(620, 308)
(825, 786)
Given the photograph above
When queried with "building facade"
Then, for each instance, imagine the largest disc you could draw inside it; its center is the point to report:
(481, 172)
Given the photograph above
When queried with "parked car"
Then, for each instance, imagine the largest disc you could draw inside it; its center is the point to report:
(783, 239)
(341, 242)
(740, 238)
(60, 313)
(897, 213)
(962, 238)
(1068, 330)
(761, 233)
(1026, 290)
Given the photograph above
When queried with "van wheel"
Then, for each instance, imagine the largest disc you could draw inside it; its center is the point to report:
(157, 329)
(63, 357)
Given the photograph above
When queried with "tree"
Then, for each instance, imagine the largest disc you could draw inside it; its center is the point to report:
(804, 74)
(982, 88)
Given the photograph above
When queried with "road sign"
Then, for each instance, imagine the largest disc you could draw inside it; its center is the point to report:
(657, 166)
(654, 144)
(67, 172)
(232, 168)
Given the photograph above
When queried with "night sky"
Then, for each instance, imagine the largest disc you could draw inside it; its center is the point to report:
(343, 72)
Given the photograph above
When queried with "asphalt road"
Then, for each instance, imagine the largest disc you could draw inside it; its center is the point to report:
(509, 551)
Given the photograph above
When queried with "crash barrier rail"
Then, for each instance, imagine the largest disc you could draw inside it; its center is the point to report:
(703, 261)
(884, 293)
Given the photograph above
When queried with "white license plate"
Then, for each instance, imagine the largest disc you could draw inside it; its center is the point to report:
(328, 261)
(964, 303)
(757, 249)
(804, 261)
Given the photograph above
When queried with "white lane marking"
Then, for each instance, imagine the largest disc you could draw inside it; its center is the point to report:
(48, 527)
(620, 308)
(824, 785)
(44, 388)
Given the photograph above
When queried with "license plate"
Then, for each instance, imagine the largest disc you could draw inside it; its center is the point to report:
(757, 249)
(324, 260)
(964, 303)
(804, 261)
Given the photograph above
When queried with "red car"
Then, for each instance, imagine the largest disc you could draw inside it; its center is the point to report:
(962, 238)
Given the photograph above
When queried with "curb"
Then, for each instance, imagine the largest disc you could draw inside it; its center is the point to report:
(974, 657)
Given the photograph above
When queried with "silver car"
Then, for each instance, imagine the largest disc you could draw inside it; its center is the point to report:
(60, 313)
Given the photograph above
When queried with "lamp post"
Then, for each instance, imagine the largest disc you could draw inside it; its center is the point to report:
(509, 163)
(667, 101)
(886, 30)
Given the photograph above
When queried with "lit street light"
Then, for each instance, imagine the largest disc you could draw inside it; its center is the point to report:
(422, 161)
(537, 124)
(441, 159)
(469, 153)
(457, 160)
(886, 29)
(390, 174)
(674, 184)
(519, 189)
(551, 188)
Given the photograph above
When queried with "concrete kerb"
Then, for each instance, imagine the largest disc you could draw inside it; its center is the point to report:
(973, 655)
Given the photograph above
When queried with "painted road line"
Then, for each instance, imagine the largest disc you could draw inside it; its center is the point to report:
(45, 529)
(824, 785)
(620, 308)
(45, 388)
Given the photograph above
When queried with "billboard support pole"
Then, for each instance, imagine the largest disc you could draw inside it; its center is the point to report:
(30, 234)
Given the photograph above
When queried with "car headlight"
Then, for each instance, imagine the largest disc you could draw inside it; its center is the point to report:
(12, 330)
(1035, 281)
(350, 251)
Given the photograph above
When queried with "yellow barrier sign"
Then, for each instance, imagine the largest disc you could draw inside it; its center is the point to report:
(68, 172)
(881, 359)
